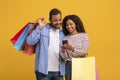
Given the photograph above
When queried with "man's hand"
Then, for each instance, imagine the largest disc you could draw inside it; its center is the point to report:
(41, 22)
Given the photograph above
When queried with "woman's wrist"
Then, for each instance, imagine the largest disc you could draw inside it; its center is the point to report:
(72, 49)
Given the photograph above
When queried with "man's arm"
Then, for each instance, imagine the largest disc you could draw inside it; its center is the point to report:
(34, 37)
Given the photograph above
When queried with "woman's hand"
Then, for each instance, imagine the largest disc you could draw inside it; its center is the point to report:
(68, 47)
(63, 49)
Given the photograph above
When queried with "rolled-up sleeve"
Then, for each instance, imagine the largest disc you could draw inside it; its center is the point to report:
(34, 37)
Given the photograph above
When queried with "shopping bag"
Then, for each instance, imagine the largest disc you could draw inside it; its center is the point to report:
(97, 73)
(29, 49)
(84, 69)
(21, 40)
(17, 35)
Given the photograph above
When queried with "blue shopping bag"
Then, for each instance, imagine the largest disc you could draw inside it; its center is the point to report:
(21, 40)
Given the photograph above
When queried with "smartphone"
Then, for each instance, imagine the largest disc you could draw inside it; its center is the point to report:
(64, 42)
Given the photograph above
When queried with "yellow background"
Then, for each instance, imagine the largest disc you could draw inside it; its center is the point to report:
(101, 19)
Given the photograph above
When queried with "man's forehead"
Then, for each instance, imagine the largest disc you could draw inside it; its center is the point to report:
(58, 16)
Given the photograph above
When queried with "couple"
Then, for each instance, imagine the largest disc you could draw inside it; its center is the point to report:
(53, 59)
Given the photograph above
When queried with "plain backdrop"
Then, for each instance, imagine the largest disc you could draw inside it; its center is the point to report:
(101, 19)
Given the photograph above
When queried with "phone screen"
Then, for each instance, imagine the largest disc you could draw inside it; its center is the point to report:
(64, 42)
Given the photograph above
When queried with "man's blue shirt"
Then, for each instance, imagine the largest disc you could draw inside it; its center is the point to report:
(41, 37)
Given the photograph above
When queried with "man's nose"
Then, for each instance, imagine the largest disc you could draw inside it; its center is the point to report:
(58, 22)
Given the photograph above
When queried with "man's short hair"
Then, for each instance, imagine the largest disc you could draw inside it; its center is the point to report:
(54, 11)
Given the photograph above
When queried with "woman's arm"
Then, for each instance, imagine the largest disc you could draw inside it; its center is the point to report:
(81, 50)
(64, 53)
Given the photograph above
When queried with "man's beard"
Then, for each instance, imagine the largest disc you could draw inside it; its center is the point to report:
(53, 26)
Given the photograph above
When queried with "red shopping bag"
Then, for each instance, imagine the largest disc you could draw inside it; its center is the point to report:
(17, 35)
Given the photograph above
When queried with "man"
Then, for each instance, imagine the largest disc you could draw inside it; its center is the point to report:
(49, 65)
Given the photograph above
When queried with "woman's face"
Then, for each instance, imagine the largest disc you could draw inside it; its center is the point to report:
(71, 26)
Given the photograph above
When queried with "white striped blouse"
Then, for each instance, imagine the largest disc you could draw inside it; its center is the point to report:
(80, 42)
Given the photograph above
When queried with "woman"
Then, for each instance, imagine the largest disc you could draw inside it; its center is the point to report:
(78, 42)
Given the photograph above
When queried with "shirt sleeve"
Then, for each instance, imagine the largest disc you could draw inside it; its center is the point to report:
(81, 51)
(34, 37)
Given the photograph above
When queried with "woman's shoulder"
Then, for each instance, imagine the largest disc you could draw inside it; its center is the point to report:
(83, 34)
(80, 35)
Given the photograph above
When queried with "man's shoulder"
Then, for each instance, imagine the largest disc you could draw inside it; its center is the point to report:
(61, 33)
(47, 26)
